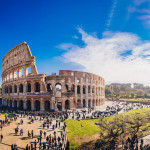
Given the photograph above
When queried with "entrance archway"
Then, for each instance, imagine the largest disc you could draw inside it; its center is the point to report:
(37, 105)
(67, 106)
(84, 103)
(78, 103)
(10, 103)
(47, 105)
(28, 105)
(59, 105)
(21, 104)
(15, 104)
(89, 103)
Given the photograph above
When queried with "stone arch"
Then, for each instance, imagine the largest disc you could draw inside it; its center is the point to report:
(49, 87)
(10, 103)
(78, 89)
(37, 87)
(84, 103)
(28, 87)
(58, 86)
(37, 105)
(59, 105)
(15, 88)
(89, 103)
(28, 105)
(10, 89)
(84, 89)
(89, 89)
(15, 104)
(47, 105)
(21, 104)
(67, 104)
(78, 103)
(21, 88)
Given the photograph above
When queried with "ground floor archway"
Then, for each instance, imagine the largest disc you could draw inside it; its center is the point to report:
(84, 103)
(67, 105)
(89, 103)
(37, 105)
(10, 104)
(79, 103)
(47, 105)
(28, 105)
(59, 105)
(21, 104)
(15, 104)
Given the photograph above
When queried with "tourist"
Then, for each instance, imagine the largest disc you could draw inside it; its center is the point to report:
(1, 137)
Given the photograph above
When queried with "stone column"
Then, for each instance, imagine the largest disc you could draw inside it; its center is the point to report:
(32, 87)
(41, 104)
(17, 88)
(24, 104)
(24, 88)
(25, 71)
(17, 103)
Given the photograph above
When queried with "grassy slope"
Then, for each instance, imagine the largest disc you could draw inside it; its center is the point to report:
(75, 130)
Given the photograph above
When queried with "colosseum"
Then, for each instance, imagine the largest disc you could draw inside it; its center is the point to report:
(25, 89)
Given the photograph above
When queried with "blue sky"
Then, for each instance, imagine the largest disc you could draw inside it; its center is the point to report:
(81, 35)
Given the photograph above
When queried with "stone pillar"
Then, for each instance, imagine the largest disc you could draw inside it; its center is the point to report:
(18, 73)
(32, 87)
(63, 105)
(53, 105)
(24, 88)
(41, 104)
(25, 71)
(17, 88)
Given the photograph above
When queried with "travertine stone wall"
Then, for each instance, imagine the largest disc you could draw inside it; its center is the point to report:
(24, 88)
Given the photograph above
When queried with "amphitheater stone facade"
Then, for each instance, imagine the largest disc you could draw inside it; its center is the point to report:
(23, 88)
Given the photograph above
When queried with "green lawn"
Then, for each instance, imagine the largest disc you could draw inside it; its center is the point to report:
(89, 128)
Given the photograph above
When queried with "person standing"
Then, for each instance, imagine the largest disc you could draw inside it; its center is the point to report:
(1, 137)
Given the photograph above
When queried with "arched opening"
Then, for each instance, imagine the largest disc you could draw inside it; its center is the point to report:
(21, 88)
(89, 103)
(92, 89)
(67, 106)
(6, 89)
(84, 103)
(47, 105)
(7, 103)
(10, 103)
(15, 88)
(21, 104)
(10, 89)
(84, 91)
(93, 103)
(28, 87)
(37, 87)
(89, 88)
(72, 88)
(37, 105)
(99, 102)
(78, 89)
(59, 105)
(15, 104)
(78, 103)
(58, 87)
(49, 87)
(28, 105)
(96, 103)
(67, 87)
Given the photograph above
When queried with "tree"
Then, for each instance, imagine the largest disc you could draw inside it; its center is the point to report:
(132, 95)
(140, 92)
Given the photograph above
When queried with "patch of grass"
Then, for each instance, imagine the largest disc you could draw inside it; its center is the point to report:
(89, 128)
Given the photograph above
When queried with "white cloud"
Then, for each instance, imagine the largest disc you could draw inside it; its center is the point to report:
(118, 56)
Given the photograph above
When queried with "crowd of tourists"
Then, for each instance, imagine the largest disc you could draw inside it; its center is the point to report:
(55, 121)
